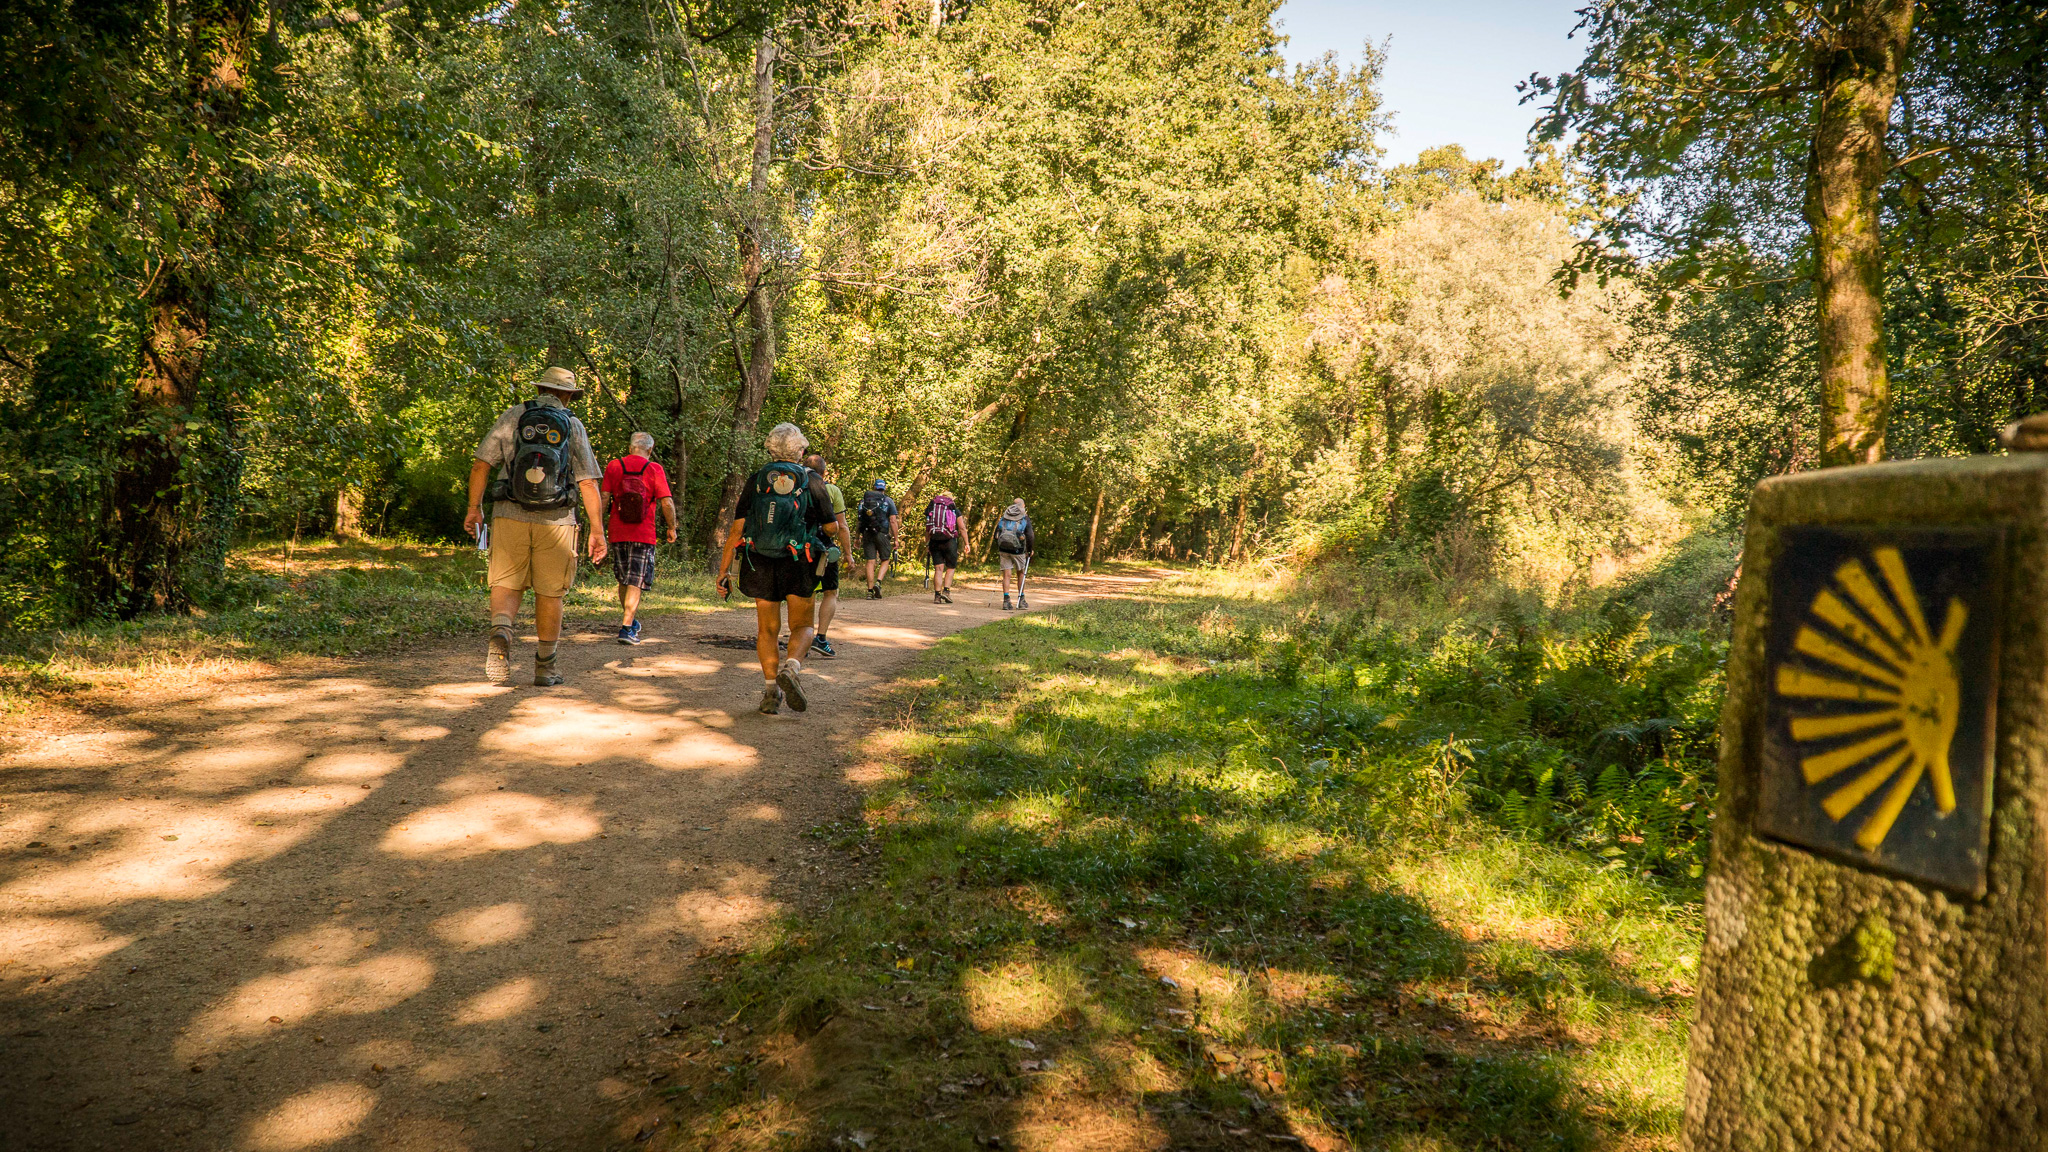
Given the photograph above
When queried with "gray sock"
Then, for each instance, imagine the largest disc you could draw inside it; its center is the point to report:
(546, 651)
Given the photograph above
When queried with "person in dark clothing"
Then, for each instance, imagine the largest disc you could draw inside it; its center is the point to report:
(782, 513)
(1015, 543)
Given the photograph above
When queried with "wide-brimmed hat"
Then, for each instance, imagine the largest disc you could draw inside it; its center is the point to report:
(559, 380)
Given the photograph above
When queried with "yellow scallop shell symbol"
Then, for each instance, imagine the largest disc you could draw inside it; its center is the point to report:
(1890, 660)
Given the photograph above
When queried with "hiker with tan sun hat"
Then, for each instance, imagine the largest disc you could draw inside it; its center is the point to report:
(541, 455)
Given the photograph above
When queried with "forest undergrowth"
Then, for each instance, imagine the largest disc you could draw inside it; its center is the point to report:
(1225, 866)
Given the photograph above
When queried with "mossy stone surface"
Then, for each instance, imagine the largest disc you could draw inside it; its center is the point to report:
(1841, 1009)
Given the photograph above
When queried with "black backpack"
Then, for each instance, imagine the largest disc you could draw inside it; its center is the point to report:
(874, 514)
(540, 458)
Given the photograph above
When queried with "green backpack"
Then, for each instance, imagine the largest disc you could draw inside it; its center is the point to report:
(775, 522)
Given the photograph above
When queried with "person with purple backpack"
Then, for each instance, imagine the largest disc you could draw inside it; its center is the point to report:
(942, 542)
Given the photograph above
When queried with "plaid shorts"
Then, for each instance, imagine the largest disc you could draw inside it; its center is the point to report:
(633, 563)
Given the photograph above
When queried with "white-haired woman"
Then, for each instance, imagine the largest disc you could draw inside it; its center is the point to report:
(782, 512)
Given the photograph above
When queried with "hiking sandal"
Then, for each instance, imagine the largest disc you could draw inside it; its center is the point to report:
(789, 678)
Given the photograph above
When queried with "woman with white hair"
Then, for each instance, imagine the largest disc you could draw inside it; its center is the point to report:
(782, 513)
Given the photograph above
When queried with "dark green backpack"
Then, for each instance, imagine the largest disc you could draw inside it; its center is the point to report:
(775, 521)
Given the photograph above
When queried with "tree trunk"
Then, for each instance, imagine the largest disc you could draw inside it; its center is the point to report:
(938, 14)
(348, 513)
(1857, 70)
(152, 531)
(753, 393)
(1088, 557)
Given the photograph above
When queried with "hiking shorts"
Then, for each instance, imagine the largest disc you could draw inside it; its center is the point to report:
(877, 546)
(829, 582)
(1013, 561)
(776, 578)
(537, 556)
(633, 563)
(945, 551)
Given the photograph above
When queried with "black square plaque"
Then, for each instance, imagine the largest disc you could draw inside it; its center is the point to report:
(1882, 676)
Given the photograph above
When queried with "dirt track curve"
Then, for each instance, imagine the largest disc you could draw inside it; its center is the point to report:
(383, 905)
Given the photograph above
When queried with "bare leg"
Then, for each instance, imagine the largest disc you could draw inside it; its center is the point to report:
(767, 630)
(828, 607)
(800, 630)
(505, 601)
(547, 618)
(629, 597)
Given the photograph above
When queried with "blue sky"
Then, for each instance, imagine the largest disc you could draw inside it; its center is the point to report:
(1452, 65)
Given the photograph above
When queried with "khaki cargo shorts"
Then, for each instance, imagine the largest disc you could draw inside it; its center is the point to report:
(537, 556)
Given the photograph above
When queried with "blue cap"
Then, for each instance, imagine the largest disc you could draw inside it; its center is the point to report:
(881, 485)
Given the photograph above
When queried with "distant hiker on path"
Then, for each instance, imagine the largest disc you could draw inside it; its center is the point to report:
(880, 524)
(635, 487)
(1015, 544)
(828, 575)
(544, 463)
(942, 540)
(781, 513)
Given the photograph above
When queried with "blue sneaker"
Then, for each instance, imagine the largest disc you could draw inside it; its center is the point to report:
(629, 633)
(821, 645)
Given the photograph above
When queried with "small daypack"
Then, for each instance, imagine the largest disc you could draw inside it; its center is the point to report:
(540, 458)
(632, 498)
(874, 514)
(1010, 534)
(775, 522)
(942, 521)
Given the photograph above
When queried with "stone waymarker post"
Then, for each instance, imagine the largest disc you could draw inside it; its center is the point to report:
(1875, 974)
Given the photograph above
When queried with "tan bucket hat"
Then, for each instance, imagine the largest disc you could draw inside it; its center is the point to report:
(559, 380)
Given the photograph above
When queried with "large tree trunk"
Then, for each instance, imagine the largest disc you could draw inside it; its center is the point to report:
(746, 409)
(153, 530)
(1857, 70)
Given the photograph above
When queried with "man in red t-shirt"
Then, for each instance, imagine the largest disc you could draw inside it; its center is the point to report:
(634, 487)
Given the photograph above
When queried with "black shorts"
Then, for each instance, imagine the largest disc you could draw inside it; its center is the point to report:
(776, 578)
(633, 563)
(945, 551)
(877, 546)
(829, 582)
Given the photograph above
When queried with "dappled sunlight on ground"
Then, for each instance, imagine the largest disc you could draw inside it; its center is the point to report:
(388, 905)
(476, 928)
(490, 822)
(322, 1116)
(372, 985)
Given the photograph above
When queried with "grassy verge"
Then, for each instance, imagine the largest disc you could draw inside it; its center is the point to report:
(1201, 869)
(311, 599)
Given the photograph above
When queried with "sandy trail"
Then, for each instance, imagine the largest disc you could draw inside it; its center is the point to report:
(385, 905)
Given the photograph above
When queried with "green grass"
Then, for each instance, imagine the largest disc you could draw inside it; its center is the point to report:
(1130, 834)
(311, 599)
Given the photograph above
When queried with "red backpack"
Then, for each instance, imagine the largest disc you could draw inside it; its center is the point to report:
(632, 499)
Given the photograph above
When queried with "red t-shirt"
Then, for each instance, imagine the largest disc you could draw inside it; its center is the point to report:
(656, 482)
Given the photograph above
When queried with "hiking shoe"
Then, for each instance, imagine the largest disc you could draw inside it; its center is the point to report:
(771, 700)
(1021, 604)
(629, 633)
(822, 645)
(874, 591)
(946, 595)
(544, 674)
(1006, 602)
(935, 597)
(498, 659)
(789, 678)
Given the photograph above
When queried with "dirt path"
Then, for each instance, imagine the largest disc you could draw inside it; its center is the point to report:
(385, 905)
